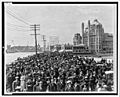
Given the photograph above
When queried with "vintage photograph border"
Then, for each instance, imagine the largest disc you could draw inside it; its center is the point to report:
(53, 93)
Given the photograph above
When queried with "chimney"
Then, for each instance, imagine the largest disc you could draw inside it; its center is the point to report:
(88, 34)
(82, 33)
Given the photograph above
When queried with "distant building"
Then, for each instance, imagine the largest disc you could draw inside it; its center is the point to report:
(14, 49)
(56, 47)
(53, 40)
(93, 35)
(51, 47)
(66, 48)
(108, 43)
(53, 43)
(77, 39)
(80, 49)
(8, 46)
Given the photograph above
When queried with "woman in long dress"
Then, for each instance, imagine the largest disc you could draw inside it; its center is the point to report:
(22, 83)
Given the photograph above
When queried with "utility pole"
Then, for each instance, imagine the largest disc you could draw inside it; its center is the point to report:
(35, 27)
(44, 42)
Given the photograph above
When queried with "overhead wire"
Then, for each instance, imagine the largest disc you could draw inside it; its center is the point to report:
(14, 12)
(20, 19)
(11, 11)
(17, 25)
(12, 29)
(11, 14)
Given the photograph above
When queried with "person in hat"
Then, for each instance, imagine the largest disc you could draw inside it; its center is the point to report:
(38, 86)
(76, 87)
(41, 86)
(69, 86)
(15, 84)
(44, 85)
(109, 85)
(87, 82)
(85, 88)
(52, 86)
(29, 85)
(9, 82)
(60, 85)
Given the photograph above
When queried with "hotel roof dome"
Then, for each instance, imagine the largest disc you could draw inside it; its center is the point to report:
(96, 22)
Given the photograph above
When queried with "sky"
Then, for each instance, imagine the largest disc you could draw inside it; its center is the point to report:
(62, 21)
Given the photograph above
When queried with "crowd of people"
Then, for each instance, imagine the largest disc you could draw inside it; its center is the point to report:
(58, 72)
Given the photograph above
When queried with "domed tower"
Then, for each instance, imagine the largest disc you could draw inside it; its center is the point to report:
(96, 35)
(93, 36)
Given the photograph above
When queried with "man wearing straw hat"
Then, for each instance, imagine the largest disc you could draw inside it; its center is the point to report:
(15, 84)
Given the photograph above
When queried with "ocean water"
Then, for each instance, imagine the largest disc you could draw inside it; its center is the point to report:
(11, 57)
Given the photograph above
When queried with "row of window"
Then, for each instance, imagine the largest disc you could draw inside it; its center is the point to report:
(81, 51)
